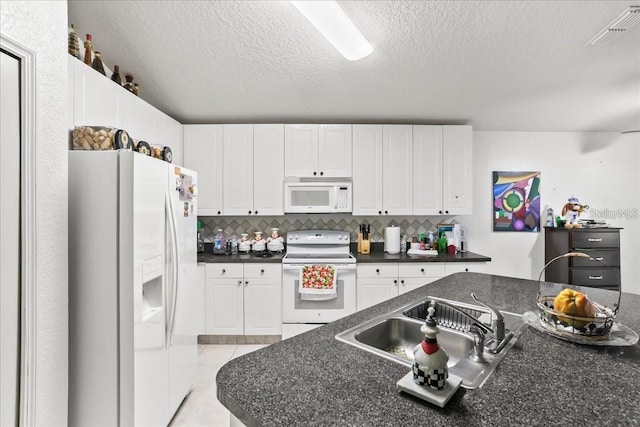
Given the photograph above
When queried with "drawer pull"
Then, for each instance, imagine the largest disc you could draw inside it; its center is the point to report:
(422, 270)
(593, 239)
(239, 282)
(599, 258)
(595, 277)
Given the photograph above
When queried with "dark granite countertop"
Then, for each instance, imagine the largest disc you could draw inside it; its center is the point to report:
(209, 257)
(314, 380)
(403, 257)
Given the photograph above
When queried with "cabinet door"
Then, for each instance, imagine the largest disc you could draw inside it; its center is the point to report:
(367, 169)
(371, 291)
(263, 302)
(335, 151)
(301, 151)
(202, 297)
(396, 170)
(225, 302)
(268, 176)
(457, 163)
(170, 134)
(97, 101)
(427, 170)
(140, 118)
(203, 154)
(237, 152)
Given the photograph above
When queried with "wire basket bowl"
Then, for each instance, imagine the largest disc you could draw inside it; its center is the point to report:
(592, 326)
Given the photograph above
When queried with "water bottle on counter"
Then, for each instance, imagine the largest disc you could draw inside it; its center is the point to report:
(220, 243)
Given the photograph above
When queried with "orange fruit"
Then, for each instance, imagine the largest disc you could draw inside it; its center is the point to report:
(575, 303)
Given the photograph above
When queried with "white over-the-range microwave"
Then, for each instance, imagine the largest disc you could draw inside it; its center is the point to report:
(317, 196)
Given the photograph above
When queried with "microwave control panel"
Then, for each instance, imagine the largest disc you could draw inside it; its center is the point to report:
(343, 198)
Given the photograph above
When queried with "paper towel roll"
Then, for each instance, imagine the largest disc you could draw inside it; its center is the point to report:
(392, 240)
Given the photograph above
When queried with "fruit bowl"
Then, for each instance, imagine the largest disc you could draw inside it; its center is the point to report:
(593, 320)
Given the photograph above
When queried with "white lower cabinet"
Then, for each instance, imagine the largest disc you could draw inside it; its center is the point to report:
(379, 282)
(243, 299)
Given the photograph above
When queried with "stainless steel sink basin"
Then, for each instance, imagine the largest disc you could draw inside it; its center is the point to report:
(394, 336)
(397, 337)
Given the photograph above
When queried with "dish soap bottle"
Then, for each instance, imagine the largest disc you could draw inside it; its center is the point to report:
(430, 361)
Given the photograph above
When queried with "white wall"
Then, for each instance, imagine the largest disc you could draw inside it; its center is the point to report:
(41, 26)
(601, 169)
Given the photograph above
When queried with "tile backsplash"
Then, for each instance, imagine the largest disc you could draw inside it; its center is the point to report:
(409, 225)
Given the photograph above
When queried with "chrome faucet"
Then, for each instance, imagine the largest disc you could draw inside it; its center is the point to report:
(497, 323)
(476, 328)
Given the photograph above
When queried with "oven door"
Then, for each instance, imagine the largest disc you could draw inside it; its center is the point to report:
(297, 310)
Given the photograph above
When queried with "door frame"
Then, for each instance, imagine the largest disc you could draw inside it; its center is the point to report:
(28, 255)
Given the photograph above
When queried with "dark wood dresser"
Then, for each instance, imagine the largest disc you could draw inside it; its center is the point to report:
(602, 244)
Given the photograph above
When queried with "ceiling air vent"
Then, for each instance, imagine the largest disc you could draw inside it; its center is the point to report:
(616, 28)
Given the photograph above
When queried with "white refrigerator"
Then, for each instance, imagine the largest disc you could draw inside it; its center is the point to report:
(133, 296)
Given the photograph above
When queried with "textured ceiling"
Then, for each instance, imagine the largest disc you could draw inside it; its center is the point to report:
(503, 65)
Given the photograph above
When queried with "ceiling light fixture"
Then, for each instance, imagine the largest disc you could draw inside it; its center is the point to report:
(334, 24)
(616, 28)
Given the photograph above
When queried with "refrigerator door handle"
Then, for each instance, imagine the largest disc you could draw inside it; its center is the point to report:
(175, 263)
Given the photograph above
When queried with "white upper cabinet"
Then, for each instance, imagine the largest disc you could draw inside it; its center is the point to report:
(442, 170)
(382, 170)
(313, 151)
(238, 169)
(268, 176)
(396, 170)
(253, 169)
(96, 101)
(367, 170)
(203, 153)
(457, 161)
(427, 170)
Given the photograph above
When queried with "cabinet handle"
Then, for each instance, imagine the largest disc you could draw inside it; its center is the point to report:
(422, 270)
(379, 212)
(395, 281)
(595, 277)
(446, 212)
(246, 283)
(599, 258)
(440, 212)
(377, 270)
(219, 212)
(249, 212)
(386, 212)
(262, 271)
(314, 174)
(321, 173)
(224, 271)
(255, 212)
(593, 239)
(239, 282)
(466, 269)
(402, 281)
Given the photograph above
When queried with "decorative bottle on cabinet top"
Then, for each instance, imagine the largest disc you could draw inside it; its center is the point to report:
(88, 48)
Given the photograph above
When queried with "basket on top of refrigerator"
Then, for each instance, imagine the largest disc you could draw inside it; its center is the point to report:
(100, 138)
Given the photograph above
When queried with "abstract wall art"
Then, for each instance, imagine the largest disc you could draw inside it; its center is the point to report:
(516, 201)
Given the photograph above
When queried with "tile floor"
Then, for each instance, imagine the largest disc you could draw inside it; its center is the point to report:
(201, 408)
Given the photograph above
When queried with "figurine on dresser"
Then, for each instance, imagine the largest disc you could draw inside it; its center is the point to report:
(258, 243)
(244, 244)
(275, 242)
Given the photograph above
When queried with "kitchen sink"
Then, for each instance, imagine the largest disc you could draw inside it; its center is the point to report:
(394, 336)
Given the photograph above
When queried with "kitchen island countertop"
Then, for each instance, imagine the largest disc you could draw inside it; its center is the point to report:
(314, 380)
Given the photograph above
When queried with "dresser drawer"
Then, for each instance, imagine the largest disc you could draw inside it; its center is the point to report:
(610, 257)
(581, 239)
(594, 277)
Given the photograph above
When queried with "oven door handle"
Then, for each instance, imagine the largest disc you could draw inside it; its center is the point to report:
(289, 267)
